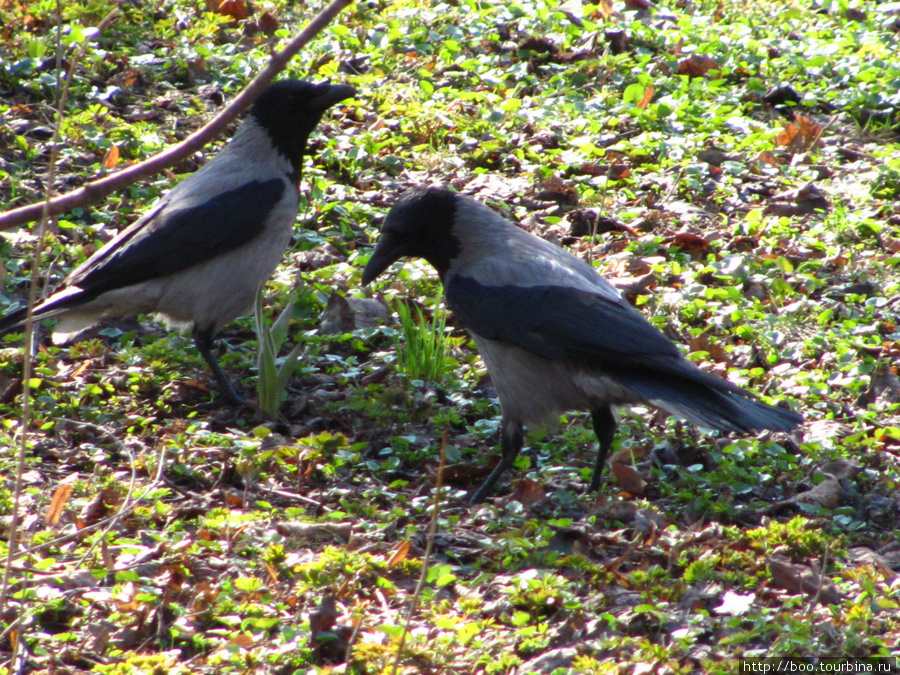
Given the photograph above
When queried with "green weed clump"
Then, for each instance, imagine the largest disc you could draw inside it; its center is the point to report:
(423, 353)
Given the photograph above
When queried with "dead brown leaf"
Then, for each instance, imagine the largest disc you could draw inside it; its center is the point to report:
(268, 23)
(79, 371)
(399, 554)
(236, 9)
(802, 579)
(690, 242)
(233, 498)
(698, 65)
(527, 492)
(57, 504)
(646, 98)
(629, 478)
(701, 343)
(244, 640)
(95, 510)
(802, 135)
(768, 157)
(826, 494)
(111, 160)
(604, 10)
(106, 555)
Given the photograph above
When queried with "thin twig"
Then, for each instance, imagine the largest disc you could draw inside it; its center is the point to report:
(432, 530)
(125, 509)
(98, 189)
(44, 206)
(127, 503)
(814, 600)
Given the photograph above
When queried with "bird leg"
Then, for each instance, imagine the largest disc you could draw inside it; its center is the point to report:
(204, 340)
(605, 429)
(512, 439)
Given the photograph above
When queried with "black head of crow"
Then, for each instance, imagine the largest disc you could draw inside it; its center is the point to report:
(554, 334)
(289, 111)
(198, 256)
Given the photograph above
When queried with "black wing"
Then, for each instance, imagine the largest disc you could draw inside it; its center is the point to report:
(557, 322)
(598, 333)
(174, 240)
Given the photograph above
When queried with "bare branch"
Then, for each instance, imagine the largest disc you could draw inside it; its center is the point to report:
(96, 190)
(27, 365)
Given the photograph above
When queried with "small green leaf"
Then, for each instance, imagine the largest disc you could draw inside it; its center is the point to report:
(784, 264)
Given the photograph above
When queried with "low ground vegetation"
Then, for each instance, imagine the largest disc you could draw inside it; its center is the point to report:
(734, 167)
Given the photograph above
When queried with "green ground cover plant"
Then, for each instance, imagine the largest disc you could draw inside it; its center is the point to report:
(734, 168)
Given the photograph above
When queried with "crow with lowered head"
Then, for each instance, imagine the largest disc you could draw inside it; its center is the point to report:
(554, 334)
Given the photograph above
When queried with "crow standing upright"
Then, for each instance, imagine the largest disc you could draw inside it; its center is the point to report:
(554, 334)
(200, 254)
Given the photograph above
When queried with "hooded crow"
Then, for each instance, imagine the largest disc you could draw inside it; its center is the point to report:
(199, 255)
(554, 334)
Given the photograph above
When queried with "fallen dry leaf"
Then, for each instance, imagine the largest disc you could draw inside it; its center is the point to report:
(527, 492)
(647, 97)
(111, 160)
(236, 9)
(801, 135)
(697, 65)
(57, 504)
(801, 579)
(629, 478)
(245, 640)
(826, 494)
(399, 554)
(690, 242)
(268, 23)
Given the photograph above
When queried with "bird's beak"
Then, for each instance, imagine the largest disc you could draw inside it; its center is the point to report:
(328, 95)
(386, 253)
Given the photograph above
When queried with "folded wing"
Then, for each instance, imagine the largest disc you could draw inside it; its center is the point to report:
(599, 334)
